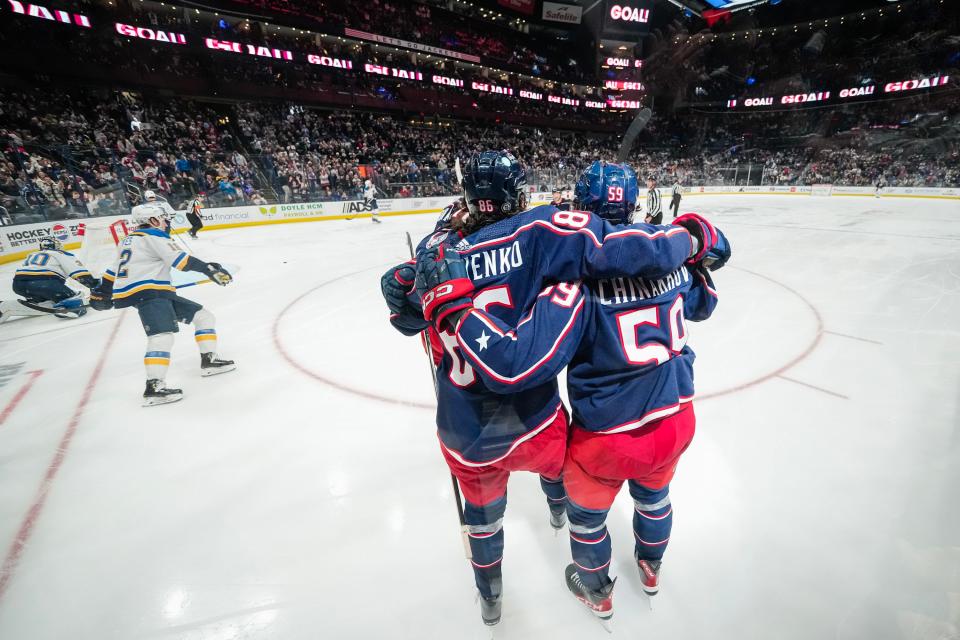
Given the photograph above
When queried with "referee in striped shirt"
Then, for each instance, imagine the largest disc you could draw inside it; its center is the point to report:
(654, 211)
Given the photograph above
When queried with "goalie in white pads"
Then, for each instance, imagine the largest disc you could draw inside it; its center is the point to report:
(141, 279)
(41, 280)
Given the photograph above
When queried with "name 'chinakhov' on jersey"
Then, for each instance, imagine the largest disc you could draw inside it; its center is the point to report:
(624, 339)
(509, 262)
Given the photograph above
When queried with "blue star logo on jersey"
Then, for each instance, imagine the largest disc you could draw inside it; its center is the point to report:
(483, 340)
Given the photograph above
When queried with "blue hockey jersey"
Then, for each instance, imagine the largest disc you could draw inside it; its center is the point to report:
(510, 262)
(623, 338)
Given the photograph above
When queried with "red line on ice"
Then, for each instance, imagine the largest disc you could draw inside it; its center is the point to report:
(789, 365)
(24, 390)
(26, 527)
(321, 378)
(363, 393)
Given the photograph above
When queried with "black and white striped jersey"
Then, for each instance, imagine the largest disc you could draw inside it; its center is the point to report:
(653, 202)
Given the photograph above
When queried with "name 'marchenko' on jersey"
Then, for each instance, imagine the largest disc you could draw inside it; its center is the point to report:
(615, 291)
(494, 262)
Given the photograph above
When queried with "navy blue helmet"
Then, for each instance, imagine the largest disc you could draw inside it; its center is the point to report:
(609, 190)
(493, 186)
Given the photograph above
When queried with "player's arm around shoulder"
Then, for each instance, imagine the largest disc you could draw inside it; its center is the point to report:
(576, 245)
(701, 298)
(510, 359)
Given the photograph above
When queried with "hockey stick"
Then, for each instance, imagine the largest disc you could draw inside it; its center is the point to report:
(630, 136)
(425, 334)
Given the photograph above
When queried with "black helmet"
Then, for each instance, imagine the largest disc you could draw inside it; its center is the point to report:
(493, 183)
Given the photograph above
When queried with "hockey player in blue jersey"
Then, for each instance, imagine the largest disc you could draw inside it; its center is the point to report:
(141, 279)
(509, 253)
(41, 280)
(630, 379)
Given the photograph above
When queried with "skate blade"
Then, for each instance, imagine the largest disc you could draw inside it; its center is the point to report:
(153, 402)
(604, 620)
(649, 597)
(213, 371)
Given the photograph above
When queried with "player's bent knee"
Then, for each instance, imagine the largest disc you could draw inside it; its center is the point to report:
(160, 342)
(585, 520)
(649, 500)
(204, 319)
(485, 514)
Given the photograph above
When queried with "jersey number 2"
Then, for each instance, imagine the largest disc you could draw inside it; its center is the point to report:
(125, 256)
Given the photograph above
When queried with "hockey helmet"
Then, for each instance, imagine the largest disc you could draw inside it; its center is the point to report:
(493, 184)
(149, 196)
(50, 244)
(609, 190)
(151, 214)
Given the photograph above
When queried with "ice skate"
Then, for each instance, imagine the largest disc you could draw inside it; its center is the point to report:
(490, 608)
(211, 365)
(558, 518)
(158, 393)
(649, 574)
(599, 602)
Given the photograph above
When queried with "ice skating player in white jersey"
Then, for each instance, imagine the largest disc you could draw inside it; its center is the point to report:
(879, 187)
(141, 279)
(152, 204)
(370, 199)
(41, 280)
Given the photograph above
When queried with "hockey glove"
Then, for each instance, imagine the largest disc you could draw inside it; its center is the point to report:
(703, 233)
(396, 284)
(218, 274)
(89, 282)
(719, 254)
(442, 284)
(101, 297)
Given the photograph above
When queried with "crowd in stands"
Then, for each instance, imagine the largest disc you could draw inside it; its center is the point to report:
(73, 154)
(751, 59)
(434, 24)
(77, 153)
(101, 55)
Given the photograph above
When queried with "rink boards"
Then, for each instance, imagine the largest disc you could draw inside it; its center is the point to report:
(17, 241)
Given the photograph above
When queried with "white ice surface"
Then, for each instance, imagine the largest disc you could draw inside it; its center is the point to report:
(269, 504)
